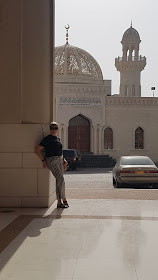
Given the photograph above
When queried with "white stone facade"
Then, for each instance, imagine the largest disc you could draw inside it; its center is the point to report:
(130, 64)
(92, 99)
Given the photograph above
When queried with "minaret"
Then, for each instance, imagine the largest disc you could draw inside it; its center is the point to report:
(130, 64)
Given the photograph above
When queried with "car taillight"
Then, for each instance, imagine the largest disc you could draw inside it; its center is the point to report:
(74, 158)
(151, 171)
(126, 171)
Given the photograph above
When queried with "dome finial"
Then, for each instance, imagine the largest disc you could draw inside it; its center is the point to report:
(131, 24)
(67, 27)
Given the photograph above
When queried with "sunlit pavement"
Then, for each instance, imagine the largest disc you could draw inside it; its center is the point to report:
(94, 238)
(89, 178)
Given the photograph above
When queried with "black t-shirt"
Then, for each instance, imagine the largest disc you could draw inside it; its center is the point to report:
(52, 146)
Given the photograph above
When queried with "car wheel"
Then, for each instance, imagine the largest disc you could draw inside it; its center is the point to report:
(74, 167)
(114, 182)
(118, 185)
(155, 186)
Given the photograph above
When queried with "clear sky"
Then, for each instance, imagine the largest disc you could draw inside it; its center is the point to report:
(98, 27)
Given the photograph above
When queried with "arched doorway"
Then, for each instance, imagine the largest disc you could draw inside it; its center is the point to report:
(79, 134)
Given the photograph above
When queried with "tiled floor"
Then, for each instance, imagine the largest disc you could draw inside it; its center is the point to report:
(106, 239)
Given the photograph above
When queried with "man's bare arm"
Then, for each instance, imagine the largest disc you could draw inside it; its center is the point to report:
(38, 151)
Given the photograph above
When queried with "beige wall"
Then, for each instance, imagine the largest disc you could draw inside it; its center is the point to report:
(23, 181)
(10, 61)
(123, 115)
(124, 120)
(37, 58)
(26, 55)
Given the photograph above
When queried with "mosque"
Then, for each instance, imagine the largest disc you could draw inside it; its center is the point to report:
(90, 117)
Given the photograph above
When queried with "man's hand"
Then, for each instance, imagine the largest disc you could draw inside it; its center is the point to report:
(44, 164)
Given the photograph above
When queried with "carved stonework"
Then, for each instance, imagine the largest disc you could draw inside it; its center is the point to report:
(74, 101)
(85, 90)
(73, 61)
(126, 101)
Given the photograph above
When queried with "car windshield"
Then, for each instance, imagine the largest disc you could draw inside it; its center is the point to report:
(136, 161)
(69, 153)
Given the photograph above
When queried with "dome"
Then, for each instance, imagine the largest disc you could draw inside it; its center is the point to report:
(131, 35)
(74, 63)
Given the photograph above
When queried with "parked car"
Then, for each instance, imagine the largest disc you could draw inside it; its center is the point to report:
(135, 170)
(73, 158)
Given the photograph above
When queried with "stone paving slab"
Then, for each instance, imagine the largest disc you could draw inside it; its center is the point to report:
(136, 194)
(89, 178)
(97, 184)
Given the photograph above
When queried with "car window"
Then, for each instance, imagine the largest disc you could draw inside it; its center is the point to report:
(117, 163)
(69, 153)
(136, 161)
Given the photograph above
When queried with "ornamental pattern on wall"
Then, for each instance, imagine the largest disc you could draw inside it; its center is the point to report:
(146, 101)
(73, 61)
(80, 101)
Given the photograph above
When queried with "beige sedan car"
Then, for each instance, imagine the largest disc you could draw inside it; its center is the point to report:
(135, 170)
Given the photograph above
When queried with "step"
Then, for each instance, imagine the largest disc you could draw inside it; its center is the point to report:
(97, 161)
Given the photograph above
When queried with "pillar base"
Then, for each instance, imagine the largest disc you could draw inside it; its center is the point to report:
(24, 182)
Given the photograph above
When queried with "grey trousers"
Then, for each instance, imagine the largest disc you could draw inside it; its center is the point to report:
(55, 164)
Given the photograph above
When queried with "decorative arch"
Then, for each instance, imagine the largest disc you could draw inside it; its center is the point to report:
(133, 90)
(126, 90)
(79, 134)
(139, 138)
(108, 138)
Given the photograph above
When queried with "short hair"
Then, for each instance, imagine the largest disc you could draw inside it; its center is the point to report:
(53, 124)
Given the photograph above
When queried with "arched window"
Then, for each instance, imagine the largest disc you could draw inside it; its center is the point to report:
(108, 138)
(139, 138)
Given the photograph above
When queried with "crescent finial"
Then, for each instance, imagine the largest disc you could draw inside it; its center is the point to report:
(67, 27)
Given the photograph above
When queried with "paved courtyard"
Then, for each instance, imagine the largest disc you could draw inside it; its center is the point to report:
(106, 233)
(97, 184)
(99, 178)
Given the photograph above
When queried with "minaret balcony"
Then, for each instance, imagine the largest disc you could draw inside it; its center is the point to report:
(130, 63)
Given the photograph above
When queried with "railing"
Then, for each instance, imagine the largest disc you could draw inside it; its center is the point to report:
(133, 58)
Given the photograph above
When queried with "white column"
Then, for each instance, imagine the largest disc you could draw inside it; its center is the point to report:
(130, 53)
(59, 132)
(136, 52)
(92, 139)
(65, 137)
(95, 139)
(100, 139)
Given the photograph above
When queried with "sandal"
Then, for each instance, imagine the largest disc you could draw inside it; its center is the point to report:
(66, 203)
(61, 205)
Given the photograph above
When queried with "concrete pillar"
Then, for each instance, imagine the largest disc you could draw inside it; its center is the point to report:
(26, 86)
